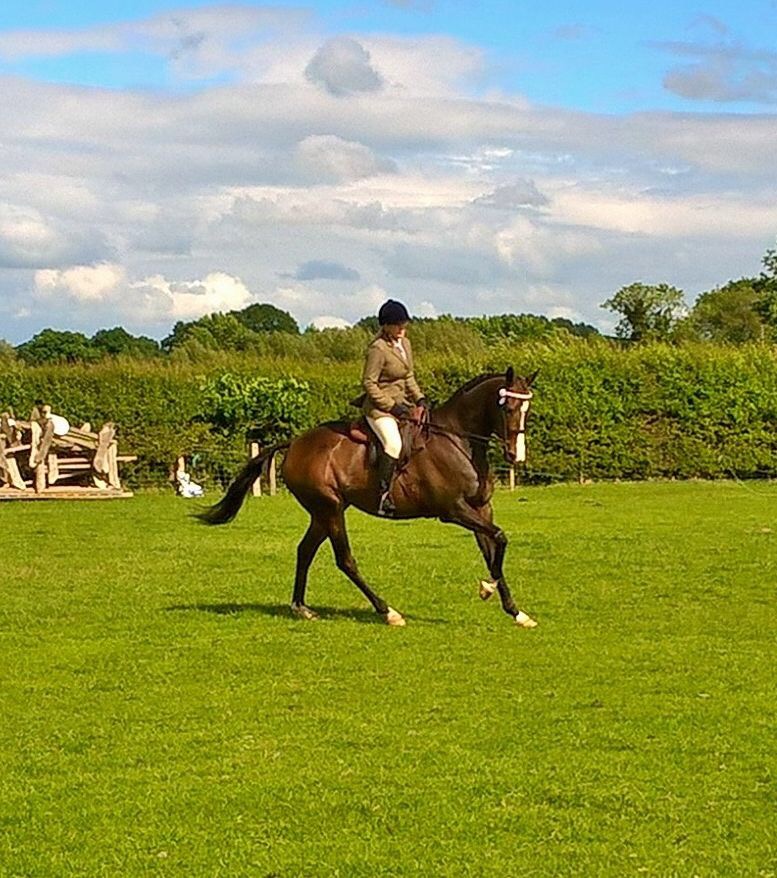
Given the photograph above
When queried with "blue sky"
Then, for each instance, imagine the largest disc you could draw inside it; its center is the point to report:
(605, 56)
(164, 160)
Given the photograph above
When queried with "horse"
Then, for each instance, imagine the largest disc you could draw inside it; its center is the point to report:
(446, 476)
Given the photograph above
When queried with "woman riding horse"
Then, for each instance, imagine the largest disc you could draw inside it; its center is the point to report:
(390, 388)
(447, 477)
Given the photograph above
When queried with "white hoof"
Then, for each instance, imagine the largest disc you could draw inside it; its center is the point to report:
(524, 621)
(395, 619)
(487, 588)
(303, 612)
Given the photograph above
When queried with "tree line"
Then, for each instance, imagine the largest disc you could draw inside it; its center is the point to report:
(740, 311)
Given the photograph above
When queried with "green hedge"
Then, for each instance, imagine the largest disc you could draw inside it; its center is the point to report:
(600, 411)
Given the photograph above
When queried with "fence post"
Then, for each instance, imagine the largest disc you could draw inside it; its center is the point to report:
(256, 488)
(512, 478)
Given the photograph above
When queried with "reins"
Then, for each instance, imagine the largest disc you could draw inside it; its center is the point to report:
(460, 434)
(504, 395)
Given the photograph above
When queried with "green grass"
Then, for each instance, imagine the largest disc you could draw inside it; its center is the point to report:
(161, 713)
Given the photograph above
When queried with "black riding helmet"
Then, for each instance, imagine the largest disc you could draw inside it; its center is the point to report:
(392, 312)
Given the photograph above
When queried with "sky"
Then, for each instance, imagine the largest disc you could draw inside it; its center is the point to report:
(159, 162)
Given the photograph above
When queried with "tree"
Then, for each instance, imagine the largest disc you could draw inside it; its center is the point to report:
(117, 341)
(263, 317)
(216, 332)
(369, 323)
(728, 313)
(7, 352)
(235, 331)
(766, 290)
(647, 311)
(584, 330)
(515, 327)
(56, 346)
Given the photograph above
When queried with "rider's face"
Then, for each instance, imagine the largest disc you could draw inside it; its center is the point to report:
(396, 330)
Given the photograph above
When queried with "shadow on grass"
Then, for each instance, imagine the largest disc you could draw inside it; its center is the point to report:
(362, 615)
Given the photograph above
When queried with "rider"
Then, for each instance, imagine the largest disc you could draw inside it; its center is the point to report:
(390, 388)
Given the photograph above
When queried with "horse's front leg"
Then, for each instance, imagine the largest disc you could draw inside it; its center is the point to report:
(490, 549)
(487, 548)
(492, 542)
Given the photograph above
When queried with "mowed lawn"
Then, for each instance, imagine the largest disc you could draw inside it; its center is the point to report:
(162, 714)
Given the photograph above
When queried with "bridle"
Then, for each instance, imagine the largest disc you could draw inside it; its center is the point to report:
(504, 394)
(519, 451)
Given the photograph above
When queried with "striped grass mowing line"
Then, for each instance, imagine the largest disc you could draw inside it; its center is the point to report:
(162, 714)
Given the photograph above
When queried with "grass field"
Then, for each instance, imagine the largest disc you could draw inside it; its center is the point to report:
(162, 714)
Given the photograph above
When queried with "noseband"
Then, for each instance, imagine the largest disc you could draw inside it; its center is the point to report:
(505, 394)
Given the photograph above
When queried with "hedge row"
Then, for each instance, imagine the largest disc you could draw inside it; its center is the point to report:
(600, 411)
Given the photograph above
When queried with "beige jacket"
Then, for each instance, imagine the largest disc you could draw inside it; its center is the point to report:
(388, 378)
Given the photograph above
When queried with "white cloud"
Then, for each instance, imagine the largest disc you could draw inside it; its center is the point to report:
(325, 269)
(426, 66)
(327, 157)
(152, 298)
(723, 72)
(207, 35)
(308, 303)
(82, 283)
(30, 238)
(425, 309)
(217, 291)
(662, 215)
(512, 196)
(327, 321)
(145, 207)
(342, 66)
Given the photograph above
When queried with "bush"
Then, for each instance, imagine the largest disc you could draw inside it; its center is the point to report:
(600, 411)
(271, 410)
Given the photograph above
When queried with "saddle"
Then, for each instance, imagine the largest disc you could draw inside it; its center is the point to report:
(411, 430)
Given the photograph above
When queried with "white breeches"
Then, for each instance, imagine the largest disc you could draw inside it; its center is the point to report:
(387, 430)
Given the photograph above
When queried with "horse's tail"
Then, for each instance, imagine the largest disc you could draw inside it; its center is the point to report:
(229, 505)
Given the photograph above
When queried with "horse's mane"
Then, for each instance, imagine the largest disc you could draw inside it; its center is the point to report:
(474, 382)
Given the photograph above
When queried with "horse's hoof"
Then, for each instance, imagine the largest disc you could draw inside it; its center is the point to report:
(303, 612)
(487, 588)
(395, 619)
(524, 621)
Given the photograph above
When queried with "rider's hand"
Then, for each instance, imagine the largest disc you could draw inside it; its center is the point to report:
(400, 410)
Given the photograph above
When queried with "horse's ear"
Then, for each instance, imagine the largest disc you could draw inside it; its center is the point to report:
(509, 376)
(531, 379)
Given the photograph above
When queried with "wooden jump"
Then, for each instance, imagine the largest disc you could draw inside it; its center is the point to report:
(44, 458)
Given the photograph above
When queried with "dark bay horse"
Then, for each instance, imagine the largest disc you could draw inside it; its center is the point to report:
(446, 476)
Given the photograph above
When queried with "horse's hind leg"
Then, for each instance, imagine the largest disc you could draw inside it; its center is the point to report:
(306, 552)
(338, 536)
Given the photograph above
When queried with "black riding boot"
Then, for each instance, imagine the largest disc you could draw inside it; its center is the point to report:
(386, 467)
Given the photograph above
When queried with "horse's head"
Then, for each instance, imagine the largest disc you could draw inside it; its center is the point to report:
(515, 397)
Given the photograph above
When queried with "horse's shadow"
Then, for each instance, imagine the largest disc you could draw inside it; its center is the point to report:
(361, 615)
